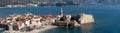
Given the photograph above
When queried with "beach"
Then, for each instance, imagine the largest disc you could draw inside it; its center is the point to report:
(43, 28)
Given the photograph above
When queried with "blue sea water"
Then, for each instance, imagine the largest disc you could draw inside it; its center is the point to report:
(107, 18)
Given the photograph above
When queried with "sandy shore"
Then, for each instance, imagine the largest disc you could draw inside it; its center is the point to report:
(35, 30)
(47, 27)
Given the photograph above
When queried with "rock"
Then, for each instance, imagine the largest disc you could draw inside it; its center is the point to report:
(76, 24)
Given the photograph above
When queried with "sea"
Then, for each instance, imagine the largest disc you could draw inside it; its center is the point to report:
(107, 18)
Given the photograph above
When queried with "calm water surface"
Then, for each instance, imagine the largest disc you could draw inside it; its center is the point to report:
(107, 18)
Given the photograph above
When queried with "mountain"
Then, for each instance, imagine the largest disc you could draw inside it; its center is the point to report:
(12, 2)
(81, 2)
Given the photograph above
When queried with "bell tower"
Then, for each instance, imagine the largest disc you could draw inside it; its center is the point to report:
(61, 12)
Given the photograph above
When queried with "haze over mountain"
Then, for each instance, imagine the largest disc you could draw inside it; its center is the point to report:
(81, 2)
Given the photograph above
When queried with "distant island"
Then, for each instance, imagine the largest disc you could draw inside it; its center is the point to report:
(29, 3)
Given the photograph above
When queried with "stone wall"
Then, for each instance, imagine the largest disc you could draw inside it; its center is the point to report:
(86, 18)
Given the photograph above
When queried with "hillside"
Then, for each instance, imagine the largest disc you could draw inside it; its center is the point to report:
(81, 2)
